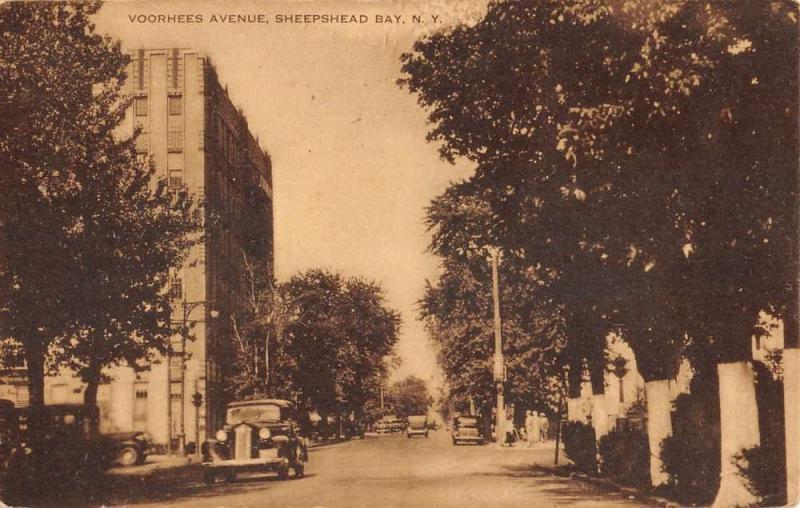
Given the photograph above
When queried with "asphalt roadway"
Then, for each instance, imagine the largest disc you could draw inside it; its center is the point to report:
(393, 471)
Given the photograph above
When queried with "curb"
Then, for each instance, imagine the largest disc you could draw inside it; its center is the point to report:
(170, 476)
(175, 476)
(607, 484)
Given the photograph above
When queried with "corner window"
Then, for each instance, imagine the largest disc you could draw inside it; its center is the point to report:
(176, 288)
(175, 178)
(175, 105)
(140, 106)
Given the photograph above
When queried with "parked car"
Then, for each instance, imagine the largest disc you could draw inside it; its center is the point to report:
(466, 429)
(417, 426)
(397, 425)
(258, 436)
(9, 429)
(383, 426)
(60, 444)
(130, 448)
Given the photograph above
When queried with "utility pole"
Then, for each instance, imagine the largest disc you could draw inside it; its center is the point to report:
(499, 364)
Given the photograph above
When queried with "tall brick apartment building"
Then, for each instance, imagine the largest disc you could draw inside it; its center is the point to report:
(198, 139)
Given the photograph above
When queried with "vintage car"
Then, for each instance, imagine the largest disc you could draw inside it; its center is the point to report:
(417, 426)
(397, 425)
(258, 436)
(466, 429)
(61, 443)
(9, 429)
(384, 426)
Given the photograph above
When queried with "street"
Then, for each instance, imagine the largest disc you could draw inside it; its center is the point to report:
(393, 471)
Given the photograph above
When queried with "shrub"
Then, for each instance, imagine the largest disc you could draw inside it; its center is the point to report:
(764, 467)
(626, 457)
(691, 454)
(579, 446)
(763, 478)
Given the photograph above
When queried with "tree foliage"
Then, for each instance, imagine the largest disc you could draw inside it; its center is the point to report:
(409, 397)
(339, 339)
(87, 234)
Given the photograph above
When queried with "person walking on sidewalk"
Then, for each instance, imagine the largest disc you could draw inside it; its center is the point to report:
(532, 428)
(544, 427)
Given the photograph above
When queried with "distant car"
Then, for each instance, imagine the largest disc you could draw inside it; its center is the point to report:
(130, 448)
(397, 425)
(383, 426)
(417, 426)
(466, 429)
(258, 436)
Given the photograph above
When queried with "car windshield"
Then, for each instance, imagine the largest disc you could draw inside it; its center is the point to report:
(416, 420)
(467, 422)
(262, 413)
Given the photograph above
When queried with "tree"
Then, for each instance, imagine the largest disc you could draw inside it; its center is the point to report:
(339, 340)
(87, 238)
(457, 309)
(260, 344)
(410, 397)
(643, 189)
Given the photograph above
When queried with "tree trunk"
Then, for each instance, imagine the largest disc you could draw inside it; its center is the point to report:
(738, 430)
(791, 401)
(599, 415)
(599, 407)
(574, 383)
(92, 378)
(34, 357)
(659, 425)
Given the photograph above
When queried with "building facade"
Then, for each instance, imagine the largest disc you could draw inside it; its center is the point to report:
(200, 141)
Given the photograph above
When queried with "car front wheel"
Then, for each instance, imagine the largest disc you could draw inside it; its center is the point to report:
(128, 456)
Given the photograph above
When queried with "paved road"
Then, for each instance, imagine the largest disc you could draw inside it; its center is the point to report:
(392, 471)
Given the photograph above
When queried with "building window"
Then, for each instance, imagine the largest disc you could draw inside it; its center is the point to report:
(140, 106)
(175, 178)
(141, 394)
(175, 142)
(142, 143)
(175, 105)
(176, 288)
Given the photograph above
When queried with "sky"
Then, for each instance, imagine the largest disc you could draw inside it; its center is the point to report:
(352, 171)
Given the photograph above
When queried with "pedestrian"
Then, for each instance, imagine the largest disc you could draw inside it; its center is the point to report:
(529, 428)
(510, 431)
(535, 432)
(544, 427)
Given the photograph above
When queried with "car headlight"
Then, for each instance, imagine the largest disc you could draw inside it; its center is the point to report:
(221, 435)
(264, 433)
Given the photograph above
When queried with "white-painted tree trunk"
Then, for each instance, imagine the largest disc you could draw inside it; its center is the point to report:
(738, 429)
(574, 411)
(599, 416)
(791, 400)
(659, 425)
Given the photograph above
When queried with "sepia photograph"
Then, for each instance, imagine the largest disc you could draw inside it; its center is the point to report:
(399, 253)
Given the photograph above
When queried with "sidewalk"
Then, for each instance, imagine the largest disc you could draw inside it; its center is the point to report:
(546, 463)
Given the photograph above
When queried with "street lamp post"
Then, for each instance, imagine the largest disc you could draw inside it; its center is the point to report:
(499, 364)
(184, 327)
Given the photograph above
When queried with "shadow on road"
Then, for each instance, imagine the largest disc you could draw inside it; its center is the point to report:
(559, 491)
